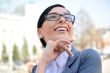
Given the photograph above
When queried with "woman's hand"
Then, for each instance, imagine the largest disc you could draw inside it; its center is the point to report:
(54, 49)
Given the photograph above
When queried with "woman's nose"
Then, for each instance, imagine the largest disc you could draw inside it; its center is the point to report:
(61, 20)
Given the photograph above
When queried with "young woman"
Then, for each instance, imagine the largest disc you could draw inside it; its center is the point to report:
(55, 30)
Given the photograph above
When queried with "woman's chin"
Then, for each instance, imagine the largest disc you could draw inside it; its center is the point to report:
(62, 36)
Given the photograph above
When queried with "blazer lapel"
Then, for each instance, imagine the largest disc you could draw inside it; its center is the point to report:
(71, 60)
(67, 70)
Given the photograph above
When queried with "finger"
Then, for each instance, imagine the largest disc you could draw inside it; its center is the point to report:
(68, 51)
(66, 48)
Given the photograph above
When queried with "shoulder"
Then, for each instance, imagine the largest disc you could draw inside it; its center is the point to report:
(90, 55)
(86, 54)
(90, 52)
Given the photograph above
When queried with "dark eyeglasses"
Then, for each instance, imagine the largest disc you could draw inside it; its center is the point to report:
(56, 17)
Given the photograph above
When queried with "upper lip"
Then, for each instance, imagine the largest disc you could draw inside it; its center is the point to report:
(62, 27)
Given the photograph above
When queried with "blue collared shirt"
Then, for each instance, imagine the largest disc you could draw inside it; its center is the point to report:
(58, 65)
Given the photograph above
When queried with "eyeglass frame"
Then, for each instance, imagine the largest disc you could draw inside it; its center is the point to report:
(60, 17)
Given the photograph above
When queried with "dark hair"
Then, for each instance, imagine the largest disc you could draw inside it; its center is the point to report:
(42, 19)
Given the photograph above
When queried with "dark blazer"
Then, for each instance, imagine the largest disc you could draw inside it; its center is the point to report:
(86, 61)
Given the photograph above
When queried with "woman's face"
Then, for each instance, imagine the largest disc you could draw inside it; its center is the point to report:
(53, 30)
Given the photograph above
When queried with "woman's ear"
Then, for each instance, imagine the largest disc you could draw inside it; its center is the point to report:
(39, 32)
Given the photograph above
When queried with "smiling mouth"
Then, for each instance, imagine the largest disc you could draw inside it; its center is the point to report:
(61, 29)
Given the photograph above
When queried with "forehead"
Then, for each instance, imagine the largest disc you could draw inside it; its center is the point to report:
(59, 10)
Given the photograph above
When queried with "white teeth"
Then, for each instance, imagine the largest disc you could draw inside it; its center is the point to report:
(61, 29)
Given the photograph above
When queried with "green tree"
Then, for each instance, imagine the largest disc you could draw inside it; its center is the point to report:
(25, 52)
(16, 55)
(34, 49)
(4, 53)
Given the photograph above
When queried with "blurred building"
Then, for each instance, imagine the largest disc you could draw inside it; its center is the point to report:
(11, 6)
(106, 37)
(16, 25)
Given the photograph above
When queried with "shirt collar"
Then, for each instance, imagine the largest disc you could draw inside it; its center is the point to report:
(62, 58)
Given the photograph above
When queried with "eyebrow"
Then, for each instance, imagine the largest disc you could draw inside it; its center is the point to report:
(58, 13)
